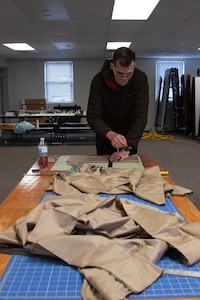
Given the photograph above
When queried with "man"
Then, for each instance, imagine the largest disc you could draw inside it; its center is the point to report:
(118, 105)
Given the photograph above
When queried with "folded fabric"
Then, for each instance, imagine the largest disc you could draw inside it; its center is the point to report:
(147, 184)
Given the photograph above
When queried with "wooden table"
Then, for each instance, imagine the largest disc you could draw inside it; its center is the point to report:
(26, 195)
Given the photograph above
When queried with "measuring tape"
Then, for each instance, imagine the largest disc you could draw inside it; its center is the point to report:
(179, 272)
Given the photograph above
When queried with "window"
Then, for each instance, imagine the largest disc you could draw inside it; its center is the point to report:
(58, 77)
(161, 67)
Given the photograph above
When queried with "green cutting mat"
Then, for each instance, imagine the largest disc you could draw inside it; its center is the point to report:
(65, 162)
(62, 164)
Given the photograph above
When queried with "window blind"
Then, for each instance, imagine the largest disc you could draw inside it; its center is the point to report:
(58, 76)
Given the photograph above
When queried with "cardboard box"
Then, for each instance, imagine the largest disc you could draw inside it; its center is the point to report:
(7, 126)
(33, 104)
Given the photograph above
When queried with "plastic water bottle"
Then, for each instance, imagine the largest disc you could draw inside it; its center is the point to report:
(37, 124)
(43, 154)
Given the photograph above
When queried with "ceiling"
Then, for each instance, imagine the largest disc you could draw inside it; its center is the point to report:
(68, 29)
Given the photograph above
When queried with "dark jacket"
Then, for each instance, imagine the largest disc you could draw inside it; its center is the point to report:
(121, 109)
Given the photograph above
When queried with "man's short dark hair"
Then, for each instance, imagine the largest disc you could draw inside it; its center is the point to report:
(124, 55)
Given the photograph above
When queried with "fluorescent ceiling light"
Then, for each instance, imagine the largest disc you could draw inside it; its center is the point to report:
(19, 47)
(115, 45)
(133, 9)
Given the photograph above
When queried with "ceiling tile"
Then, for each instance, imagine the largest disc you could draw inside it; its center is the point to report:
(53, 27)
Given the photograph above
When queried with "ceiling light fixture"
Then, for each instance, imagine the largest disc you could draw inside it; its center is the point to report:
(19, 46)
(115, 45)
(133, 9)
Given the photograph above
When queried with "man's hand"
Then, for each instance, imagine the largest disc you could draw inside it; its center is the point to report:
(117, 140)
(119, 155)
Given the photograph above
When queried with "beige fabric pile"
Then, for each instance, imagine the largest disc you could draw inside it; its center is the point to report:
(114, 242)
(146, 184)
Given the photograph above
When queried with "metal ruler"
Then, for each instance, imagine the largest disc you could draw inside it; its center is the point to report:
(179, 272)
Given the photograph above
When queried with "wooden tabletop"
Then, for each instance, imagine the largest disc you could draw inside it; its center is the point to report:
(26, 195)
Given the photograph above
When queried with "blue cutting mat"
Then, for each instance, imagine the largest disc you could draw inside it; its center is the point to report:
(37, 278)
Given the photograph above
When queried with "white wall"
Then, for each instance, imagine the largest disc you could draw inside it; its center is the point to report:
(25, 80)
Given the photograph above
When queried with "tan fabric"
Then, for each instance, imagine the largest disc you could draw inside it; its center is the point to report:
(99, 284)
(150, 186)
(147, 184)
(118, 238)
(100, 252)
(178, 190)
(168, 227)
(171, 189)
